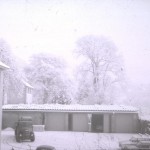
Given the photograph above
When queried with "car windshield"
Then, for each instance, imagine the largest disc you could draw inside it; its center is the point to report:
(133, 139)
(25, 124)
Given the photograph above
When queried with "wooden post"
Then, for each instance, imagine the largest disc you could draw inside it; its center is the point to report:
(89, 122)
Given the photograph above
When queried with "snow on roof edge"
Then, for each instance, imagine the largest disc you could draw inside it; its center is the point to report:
(75, 107)
(3, 66)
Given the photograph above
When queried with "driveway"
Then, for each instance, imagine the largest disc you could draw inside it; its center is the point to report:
(65, 140)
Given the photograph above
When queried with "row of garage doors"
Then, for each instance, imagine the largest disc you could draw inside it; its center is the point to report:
(84, 122)
(74, 122)
(118, 123)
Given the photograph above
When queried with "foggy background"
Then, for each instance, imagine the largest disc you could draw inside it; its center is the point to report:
(54, 26)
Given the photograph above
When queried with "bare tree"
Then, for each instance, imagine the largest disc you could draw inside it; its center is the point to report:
(102, 65)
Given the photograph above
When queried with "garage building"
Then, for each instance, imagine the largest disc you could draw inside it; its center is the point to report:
(81, 118)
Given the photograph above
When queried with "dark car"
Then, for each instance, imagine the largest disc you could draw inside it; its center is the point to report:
(45, 147)
(24, 129)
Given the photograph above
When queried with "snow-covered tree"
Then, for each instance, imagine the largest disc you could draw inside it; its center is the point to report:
(48, 76)
(13, 87)
(101, 71)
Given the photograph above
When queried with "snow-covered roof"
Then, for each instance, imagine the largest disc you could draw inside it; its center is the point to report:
(70, 108)
(3, 66)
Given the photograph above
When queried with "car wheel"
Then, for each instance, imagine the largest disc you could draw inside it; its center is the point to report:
(33, 138)
(19, 137)
(15, 133)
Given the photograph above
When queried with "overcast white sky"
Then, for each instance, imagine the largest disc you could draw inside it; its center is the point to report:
(32, 26)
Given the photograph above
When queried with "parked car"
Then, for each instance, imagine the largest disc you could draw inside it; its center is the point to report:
(24, 129)
(135, 143)
(45, 147)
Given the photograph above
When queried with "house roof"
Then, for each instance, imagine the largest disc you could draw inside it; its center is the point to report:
(70, 108)
(3, 66)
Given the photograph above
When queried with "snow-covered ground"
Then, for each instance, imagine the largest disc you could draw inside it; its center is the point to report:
(65, 140)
